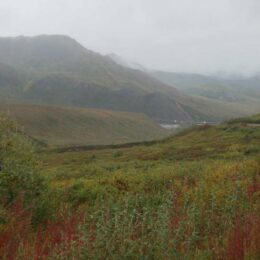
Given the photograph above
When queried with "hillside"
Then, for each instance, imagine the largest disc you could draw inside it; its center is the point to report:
(204, 181)
(242, 94)
(58, 126)
(193, 195)
(10, 83)
(220, 98)
(59, 71)
(253, 120)
(43, 55)
(233, 139)
(230, 140)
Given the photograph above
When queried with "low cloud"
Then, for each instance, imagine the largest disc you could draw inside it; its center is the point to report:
(203, 36)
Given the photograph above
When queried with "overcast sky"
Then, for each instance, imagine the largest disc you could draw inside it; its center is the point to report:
(202, 36)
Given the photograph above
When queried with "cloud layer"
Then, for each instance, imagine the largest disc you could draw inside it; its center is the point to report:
(203, 36)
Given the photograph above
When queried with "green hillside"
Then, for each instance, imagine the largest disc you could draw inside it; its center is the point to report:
(254, 120)
(58, 126)
(237, 95)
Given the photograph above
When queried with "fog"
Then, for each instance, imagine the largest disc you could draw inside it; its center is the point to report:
(202, 36)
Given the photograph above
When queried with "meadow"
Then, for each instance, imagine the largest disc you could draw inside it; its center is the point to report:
(195, 195)
(68, 126)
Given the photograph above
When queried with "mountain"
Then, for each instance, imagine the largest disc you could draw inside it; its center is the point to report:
(57, 70)
(10, 82)
(241, 93)
(220, 96)
(43, 55)
(58, 126)
(57, 66)
(227, 89)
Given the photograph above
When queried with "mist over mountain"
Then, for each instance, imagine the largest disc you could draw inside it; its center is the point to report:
(57, 70)
(216, 87)
(233, 90)
(203, 37)
(123, 62)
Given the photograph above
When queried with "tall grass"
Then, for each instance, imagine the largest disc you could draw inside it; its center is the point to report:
(188, 199)
(213, 212)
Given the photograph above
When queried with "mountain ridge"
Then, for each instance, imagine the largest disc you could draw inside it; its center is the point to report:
(57, 70)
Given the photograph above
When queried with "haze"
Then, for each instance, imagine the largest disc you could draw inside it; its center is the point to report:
(203, 36)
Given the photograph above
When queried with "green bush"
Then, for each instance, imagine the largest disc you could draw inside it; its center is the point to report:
(19, 173)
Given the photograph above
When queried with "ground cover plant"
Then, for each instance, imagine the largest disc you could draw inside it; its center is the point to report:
(192, 196)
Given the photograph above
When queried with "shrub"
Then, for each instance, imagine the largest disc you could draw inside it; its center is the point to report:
(20, 176)
(19, 172)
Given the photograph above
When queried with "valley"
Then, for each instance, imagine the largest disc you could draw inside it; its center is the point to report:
(101, 160)
(129, 130)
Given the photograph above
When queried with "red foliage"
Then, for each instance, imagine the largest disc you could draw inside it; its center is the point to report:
(236, 243)
(15, 231)
(244, 238)
(59, 236)
(92, 232)
(253, 188)
(175, 222)
(176, 217)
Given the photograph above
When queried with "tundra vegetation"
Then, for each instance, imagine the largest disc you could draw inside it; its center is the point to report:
(194, 195)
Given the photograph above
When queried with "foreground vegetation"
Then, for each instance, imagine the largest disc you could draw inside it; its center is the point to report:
(191, 196)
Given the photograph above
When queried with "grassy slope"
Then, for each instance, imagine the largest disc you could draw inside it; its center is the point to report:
(231, 140)
(192, 196)
(71, 126)
(199, 146)
(184, 193)
(255, 120)
(221, 110)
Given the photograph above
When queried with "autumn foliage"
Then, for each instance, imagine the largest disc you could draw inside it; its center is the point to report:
(95, 205)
